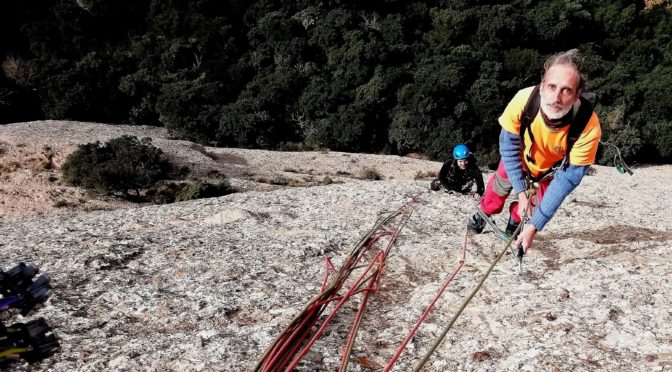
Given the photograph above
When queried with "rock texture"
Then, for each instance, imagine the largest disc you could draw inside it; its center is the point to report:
(208, 284)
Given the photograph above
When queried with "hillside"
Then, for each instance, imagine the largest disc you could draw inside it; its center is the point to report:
(208, 284)
(31, 154)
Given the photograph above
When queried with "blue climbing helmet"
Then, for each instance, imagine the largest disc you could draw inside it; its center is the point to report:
(460, 152)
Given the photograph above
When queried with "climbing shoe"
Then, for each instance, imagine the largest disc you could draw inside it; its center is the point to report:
(476, 223)
(511, 228)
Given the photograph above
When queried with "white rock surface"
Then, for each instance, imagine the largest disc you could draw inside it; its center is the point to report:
(207, 285)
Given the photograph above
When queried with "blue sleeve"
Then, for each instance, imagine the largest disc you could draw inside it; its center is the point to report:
(509, 149)
(563, 183)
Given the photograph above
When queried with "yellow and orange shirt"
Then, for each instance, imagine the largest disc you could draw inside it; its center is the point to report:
(550, 144)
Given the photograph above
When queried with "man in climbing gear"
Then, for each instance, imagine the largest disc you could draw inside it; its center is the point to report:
(549, 139)
(460, 173)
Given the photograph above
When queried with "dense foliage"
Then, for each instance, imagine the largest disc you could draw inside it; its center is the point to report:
(386, 76)
(121, 164)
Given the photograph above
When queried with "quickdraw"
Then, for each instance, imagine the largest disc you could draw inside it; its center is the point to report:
(619, 163)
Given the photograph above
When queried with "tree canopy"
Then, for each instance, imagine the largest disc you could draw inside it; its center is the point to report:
(384, 76)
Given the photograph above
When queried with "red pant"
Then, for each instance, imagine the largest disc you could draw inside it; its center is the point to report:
(498, 189)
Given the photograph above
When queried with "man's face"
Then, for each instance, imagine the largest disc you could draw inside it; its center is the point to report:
(462, 163)
(559, 91)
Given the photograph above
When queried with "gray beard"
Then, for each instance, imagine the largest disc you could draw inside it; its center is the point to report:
(553, 115)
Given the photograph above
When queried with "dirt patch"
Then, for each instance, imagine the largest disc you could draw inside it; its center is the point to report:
(550, 253)
(616, 234)
(227, 158)
(591, 204)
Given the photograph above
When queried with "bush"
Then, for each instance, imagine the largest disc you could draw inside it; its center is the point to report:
(618, 132)
(121, 164)
(200, 189)
(420, 175)
(371, 174)
(162, 192)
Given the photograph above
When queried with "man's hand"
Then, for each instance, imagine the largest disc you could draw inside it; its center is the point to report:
(526, 237)
(523, 202)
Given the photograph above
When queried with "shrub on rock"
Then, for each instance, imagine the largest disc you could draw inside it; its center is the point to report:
(122, 164)
(201, 189)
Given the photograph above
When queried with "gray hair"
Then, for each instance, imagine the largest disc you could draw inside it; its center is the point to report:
(572, 58)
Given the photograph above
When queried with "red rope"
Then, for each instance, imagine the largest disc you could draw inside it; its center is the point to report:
(279, 356)
(429, 308)
(340, 304)
(328, 265)
(284, 349)
(276, 361)
(373, 286)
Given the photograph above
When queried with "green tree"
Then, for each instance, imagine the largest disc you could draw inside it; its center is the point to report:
(181, 107)
(433, 96)
(261, 117)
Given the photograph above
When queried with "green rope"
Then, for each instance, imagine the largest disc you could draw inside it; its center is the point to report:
(466, 302)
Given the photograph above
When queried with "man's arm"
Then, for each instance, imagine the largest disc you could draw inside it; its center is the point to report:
(563, 183)
(509, 149)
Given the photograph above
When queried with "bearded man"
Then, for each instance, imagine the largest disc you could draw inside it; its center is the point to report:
(529, 160)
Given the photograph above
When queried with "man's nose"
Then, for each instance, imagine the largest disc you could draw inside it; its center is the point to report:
(558, 96)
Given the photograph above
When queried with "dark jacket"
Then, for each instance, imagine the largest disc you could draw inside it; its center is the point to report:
(455, 179)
